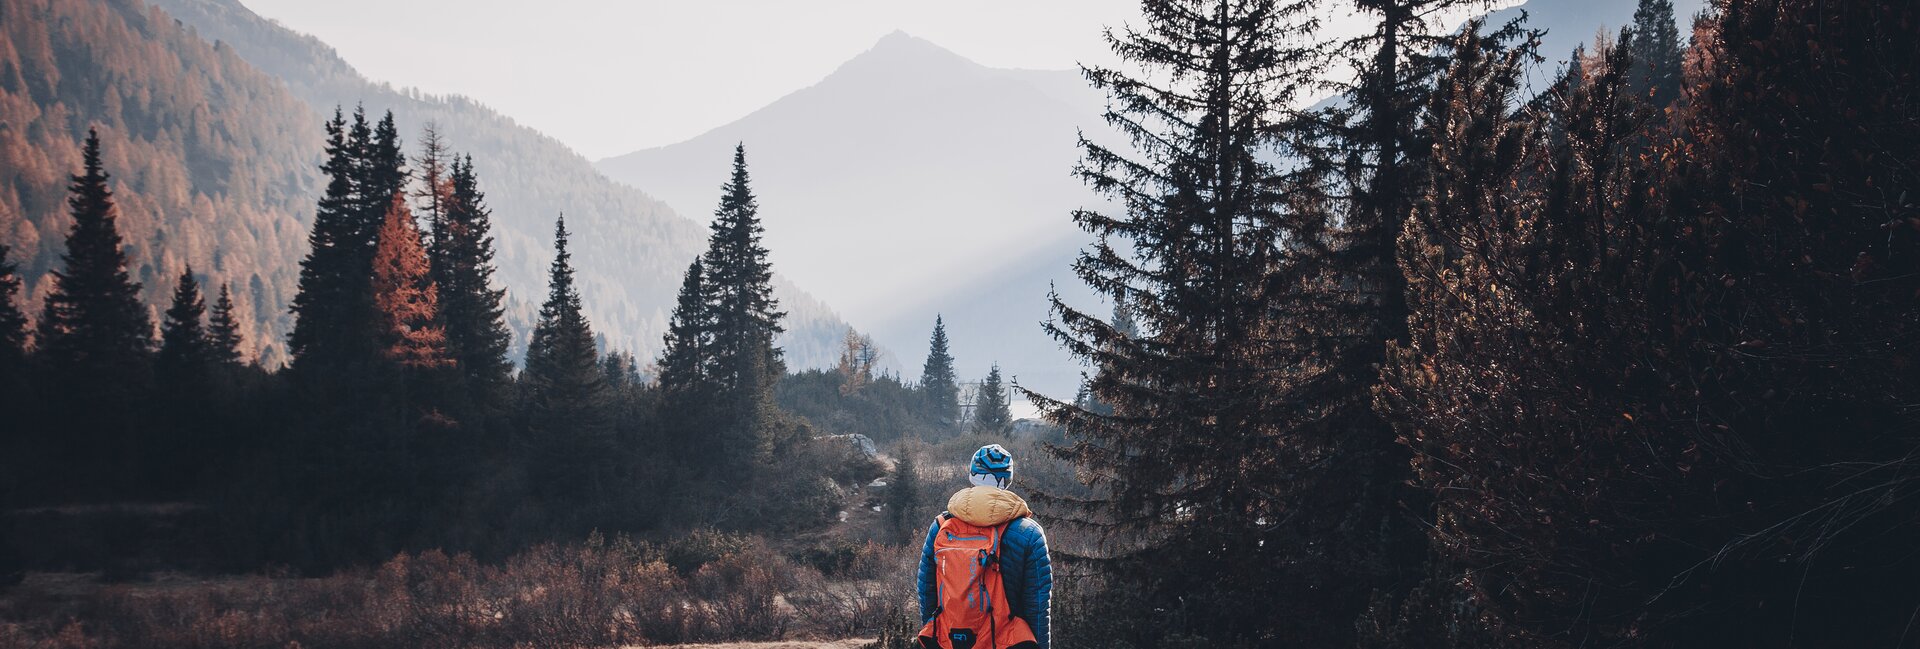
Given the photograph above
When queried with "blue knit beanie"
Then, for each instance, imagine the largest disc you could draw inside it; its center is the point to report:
(993, 463)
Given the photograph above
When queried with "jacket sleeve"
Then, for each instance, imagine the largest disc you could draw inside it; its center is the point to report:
(1036, 586)
(929, 600)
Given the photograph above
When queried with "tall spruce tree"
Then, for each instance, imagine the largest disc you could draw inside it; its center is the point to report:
(567, 420)
(1190, 459)
(991, 413)
(384, 172)
(95, 338)
(356, 467)
(687, 367)
(938, 385)
(333, 309)
(1654, 43)
(739, 281)
(745, 319)
(471, 309)
(183, 397)
(223, 331)
(94, 330)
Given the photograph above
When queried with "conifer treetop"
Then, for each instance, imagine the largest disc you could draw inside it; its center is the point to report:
(94, 316)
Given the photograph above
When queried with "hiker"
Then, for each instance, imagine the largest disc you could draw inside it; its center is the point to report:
(985, 578)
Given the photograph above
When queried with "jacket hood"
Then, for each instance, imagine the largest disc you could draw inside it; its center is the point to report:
(986, 506)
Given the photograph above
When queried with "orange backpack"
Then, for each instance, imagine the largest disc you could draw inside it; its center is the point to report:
(973, 611)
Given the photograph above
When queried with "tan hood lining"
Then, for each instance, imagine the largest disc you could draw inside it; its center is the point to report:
(986, 506)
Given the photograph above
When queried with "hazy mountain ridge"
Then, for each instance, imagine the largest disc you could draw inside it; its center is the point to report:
(914, 181)
(629, 248)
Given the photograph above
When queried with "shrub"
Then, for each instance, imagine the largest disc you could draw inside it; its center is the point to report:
(701, 547)
(742, 590)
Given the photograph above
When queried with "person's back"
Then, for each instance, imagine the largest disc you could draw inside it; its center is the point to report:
(987, 521)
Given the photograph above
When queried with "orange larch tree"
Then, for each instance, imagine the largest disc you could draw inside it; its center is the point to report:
(404, 296)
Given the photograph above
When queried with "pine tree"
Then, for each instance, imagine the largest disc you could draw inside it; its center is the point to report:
(184, 395)
(95, 338)
(739, 282)
(566, 390)
(1654, 43)
(94, 328)
(404, 296)
(184, 345)
(383, 169)
(333, 309)
(745, 319)
(621, 369)
(470, 307)
(938, 385)
(13, 322)
(686, 364)
(223, 331)
(1189, 458)
(991, 413)
(687, 367)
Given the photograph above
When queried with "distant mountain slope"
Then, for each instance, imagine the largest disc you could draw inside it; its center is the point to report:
(910, 182)
(212, 161)
(629, 248)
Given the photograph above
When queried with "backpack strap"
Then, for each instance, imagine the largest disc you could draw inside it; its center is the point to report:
(999, 533)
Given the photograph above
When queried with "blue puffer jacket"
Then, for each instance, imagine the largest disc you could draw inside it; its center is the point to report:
(1026, 571)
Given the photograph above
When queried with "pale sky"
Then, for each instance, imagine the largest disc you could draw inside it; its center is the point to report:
(613, 76)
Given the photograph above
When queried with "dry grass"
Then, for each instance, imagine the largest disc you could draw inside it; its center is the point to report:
(855, 643)
(591, 595)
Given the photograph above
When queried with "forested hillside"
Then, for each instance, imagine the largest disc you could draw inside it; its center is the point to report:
(629, 266)
(213, 160)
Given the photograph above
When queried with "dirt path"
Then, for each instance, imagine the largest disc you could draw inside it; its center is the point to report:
(855, 643)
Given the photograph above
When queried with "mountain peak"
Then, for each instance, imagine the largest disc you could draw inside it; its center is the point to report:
(899, 39)
(901, 53)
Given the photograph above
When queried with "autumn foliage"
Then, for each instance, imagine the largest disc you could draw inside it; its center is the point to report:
(404, 295)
